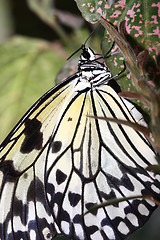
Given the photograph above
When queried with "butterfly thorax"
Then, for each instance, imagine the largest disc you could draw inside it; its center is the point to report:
(92, 70)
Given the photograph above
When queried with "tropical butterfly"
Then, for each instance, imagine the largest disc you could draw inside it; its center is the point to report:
(57, 163)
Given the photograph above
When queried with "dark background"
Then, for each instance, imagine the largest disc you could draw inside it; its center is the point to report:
(27, 23)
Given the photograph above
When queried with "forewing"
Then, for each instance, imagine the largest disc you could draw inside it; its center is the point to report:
(23, 205)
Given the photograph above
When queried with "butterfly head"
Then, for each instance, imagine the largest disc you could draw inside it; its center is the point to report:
(87, 55)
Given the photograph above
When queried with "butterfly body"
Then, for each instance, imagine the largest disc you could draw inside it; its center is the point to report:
(58, 162)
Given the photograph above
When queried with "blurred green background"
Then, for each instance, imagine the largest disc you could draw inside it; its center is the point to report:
(33, 49)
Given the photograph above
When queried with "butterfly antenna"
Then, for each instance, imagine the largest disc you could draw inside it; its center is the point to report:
(83, 45)
(75, 52)
(91, 34)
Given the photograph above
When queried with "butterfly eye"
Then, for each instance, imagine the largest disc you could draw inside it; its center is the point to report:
(86, 54)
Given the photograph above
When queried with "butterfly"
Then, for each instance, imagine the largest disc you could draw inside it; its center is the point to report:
(57, 163)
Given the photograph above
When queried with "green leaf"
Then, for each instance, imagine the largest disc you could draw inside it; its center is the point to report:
(28, 69)
(92, 10)
(142, 25)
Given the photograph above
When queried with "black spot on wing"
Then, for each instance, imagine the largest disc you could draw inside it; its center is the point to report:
(109, 196)
(74, 198)
(56, 146)
(92, 229)
(64, 216)
(8, 169)
(31, 191)
(33, 136)
(36, 187)
(78, 219)
(60, 176)
(69, 119)
(58, 197)
(105, 222)
(89, 207)
(25, 175)
(20, 209)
